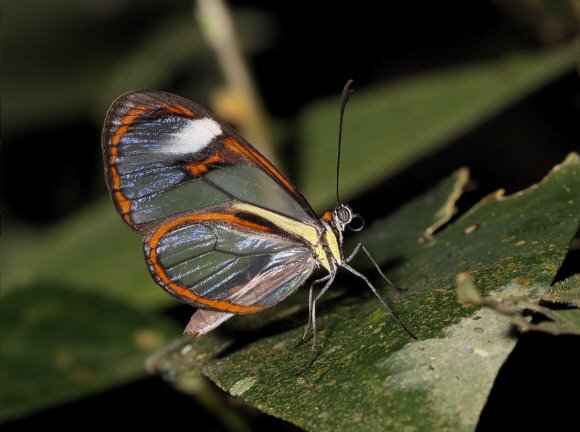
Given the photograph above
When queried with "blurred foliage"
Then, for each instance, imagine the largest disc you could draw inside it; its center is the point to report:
(59, 344)
(403, 121)
(93, 251)
(86, 57)
(368, 374)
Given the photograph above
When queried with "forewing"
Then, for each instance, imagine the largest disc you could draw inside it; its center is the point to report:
(166, 155)
(217, 262)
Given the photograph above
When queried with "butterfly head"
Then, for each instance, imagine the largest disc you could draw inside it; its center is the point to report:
(343, 217)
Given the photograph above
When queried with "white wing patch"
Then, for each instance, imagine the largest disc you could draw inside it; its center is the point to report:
(194, 137)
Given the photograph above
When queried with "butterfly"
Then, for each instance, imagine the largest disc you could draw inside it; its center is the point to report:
(225, 231)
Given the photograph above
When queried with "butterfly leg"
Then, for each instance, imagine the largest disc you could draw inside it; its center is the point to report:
(386, 305)
(330, 278)
(310, 297)
(368, 254)
(353, 253)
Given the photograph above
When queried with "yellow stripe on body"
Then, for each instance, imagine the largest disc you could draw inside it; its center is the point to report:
(332, 243)
(307, 232)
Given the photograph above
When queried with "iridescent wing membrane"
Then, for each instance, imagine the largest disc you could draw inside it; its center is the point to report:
(223, 226)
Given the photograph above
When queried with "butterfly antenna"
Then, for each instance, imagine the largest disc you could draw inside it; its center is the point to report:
(346, 91)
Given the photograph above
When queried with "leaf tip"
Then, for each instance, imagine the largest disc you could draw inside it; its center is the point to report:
(449, 209)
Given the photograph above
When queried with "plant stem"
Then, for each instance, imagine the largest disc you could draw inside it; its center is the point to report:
(218, 27)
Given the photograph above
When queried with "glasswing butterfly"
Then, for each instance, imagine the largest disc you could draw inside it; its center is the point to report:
(225, 231)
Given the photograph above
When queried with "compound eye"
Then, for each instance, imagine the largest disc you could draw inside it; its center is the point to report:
(344, 214)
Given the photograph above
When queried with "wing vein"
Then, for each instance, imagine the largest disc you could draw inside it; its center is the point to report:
(220, 269)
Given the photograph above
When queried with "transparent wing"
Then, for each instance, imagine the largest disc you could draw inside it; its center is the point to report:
(216, 262)
(165, 156)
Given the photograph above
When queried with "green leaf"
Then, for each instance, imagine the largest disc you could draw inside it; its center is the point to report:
(59, 344)
(403, 121)
(521, 303)
(565, 292)
(83, 59)
(93, 251)
(369, 375)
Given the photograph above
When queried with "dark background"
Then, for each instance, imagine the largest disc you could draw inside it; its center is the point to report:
(51, 165)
